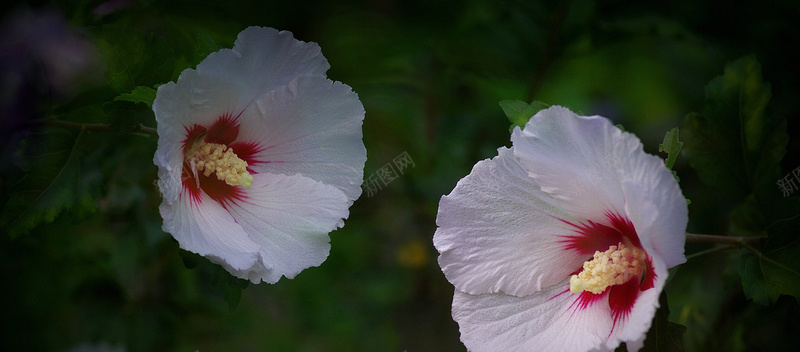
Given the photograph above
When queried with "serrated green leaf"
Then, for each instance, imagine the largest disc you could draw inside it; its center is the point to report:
(753, 283)
(776, 270)
(748, 219)
(140, 94)
(58, 178)
(672, 145)
(735, 144)
(519, 112)
(134, 59)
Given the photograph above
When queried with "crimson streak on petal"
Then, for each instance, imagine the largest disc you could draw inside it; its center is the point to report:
(224, 130)
(586, 299)
(592, 236)
(247, 151)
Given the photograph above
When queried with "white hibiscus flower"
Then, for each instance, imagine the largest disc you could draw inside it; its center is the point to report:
(562, 242)
(259, 156)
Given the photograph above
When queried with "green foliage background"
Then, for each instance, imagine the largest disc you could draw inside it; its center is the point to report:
(84, 260)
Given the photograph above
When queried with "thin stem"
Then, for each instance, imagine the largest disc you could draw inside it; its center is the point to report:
(93, 126)
(731, 240)
(763, 257)
(708, 251)
(725, 243)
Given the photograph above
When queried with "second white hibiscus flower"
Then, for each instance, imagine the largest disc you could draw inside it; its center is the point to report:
(562, 242)
(259, 156)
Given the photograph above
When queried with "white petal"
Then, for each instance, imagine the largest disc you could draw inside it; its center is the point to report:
(206, 228)
(591, 165)
(498, 232)
(548, 320)
(576, 159)
(169, 159)
(195, 100)
(657, 209)
(169, 109)
(635, 326)
(633, 346)
(229, 80)
(310, 127)
(262, 59)
(289, 217)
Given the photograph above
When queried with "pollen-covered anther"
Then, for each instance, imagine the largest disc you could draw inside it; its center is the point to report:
(615, 266)
(220, 160)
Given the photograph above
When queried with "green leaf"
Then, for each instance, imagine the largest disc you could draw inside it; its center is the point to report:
(140, 94)
(735, 144)
(664, 335)
(134, 59)
(519, 112)
(748, 218)
(190, 260)
(214, 278)
(672, 145)
(775, 270)
(230, 286)
(59, 176)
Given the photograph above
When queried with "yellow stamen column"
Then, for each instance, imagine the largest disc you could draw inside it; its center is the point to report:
(220, 160)
(615, 266)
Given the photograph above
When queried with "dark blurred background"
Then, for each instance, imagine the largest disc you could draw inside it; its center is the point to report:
(102, 276)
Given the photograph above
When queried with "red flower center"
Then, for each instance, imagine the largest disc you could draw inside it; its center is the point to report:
(215, 161)
(615, 254)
